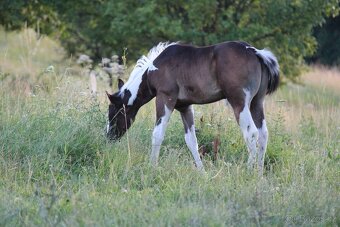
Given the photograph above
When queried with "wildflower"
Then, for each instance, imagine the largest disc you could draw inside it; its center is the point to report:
(50, 69)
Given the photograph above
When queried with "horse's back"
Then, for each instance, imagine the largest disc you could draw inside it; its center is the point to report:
(190, 71)
(207, 74)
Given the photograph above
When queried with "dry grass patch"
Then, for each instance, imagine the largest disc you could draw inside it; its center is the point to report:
(27, 53)
(317, 97)
(323, 77)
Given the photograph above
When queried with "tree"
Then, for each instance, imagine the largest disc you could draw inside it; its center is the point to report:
(328, 39)
(14, 14)
(101, 27)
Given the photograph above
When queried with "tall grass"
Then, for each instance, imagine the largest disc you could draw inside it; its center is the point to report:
(57, 167)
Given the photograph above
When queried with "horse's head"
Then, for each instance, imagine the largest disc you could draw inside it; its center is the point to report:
(119, 115)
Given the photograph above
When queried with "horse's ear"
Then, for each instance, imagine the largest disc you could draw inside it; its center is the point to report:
(111, 98)
(114, 99)
(120, 83)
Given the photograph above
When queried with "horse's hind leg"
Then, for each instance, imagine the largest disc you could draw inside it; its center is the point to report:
(246, 123)
(257, 111)
(187, 115)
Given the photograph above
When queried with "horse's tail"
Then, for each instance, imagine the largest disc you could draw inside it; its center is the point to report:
(269, 60)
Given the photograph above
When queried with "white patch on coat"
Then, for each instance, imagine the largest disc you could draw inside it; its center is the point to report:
(143, 64)
(191, 141)
(249, 130)
(158, 136)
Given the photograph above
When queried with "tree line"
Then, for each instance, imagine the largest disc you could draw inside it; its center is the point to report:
(101, 28)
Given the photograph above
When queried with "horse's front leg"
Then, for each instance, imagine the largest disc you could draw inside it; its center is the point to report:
(187, 115)
(164, 108)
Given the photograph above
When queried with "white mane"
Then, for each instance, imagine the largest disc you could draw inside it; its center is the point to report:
(144, 63)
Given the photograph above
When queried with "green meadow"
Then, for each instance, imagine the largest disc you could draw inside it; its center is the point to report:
(57, 168)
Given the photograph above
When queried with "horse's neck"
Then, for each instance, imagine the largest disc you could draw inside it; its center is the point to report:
(144, 95)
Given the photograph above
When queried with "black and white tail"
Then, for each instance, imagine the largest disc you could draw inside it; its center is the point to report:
(270, 61)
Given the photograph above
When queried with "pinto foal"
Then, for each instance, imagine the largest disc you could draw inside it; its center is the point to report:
(181, 75)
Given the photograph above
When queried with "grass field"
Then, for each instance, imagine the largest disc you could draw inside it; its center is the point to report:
(58, 169)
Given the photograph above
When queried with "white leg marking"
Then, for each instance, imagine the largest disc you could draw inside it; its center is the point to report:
(158, 136)
(191, 141)
(249, 130)
(263, 139)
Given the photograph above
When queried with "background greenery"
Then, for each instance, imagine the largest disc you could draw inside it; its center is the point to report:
(102, 27)
(327, 36)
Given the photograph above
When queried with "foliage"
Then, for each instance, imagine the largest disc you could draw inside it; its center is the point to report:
(38, 14)
(328, 36)
(101, 27)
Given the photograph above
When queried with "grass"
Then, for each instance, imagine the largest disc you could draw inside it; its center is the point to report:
(57, 168)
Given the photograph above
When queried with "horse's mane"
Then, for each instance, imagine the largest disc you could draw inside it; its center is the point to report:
(143, 63)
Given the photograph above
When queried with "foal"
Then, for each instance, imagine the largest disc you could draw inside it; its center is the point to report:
(181, 75)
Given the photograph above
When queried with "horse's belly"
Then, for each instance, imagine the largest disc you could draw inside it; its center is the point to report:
(197, 95)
